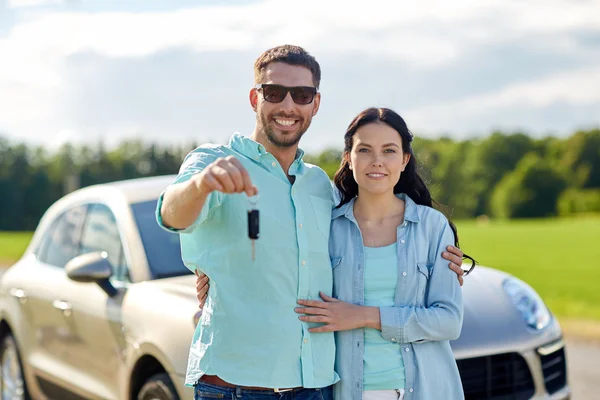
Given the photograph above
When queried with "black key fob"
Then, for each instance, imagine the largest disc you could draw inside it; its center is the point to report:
(253, 224)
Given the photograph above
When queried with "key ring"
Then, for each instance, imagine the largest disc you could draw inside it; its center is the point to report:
(253, 200)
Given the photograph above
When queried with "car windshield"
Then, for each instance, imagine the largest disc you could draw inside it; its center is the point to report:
(162, 248)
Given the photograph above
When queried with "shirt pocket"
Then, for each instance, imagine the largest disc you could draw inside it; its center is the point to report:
(423, 274)
(335, 261)
(322, 209)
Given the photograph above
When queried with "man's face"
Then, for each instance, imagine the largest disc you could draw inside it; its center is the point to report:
(284, 123)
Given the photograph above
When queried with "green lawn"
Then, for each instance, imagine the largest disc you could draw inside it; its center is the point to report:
(560, 258)
(12, 246)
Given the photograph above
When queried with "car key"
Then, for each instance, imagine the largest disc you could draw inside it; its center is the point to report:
(253, 223)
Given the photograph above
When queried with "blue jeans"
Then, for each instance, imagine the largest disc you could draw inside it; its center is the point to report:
(205, 391)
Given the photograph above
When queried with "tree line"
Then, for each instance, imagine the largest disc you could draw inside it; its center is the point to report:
(504, 175)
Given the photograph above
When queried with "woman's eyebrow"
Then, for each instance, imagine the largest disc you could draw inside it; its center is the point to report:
(385, 145)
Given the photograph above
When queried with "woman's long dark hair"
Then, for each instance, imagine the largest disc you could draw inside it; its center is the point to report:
(410, 182)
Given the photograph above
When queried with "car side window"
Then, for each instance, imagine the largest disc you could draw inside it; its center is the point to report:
(42, 249)
(100, 233)
(61, 242)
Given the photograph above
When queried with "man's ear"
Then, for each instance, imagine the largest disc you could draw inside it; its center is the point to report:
(316, 104)
(253, 96)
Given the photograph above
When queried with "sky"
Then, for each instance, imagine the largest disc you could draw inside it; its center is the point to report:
(174, 72)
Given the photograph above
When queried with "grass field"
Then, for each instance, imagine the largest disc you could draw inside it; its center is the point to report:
(560, 258)
(12, 246)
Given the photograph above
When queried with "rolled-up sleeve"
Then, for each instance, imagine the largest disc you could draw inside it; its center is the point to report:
(194, 163)
(442, 316)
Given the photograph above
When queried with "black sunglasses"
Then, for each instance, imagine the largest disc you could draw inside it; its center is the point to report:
(276, 93)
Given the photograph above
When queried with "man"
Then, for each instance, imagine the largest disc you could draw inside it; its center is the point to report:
(249, 339)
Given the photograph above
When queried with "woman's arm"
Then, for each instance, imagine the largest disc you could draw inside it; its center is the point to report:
(442, 316)
(337, 315)
(441, 319)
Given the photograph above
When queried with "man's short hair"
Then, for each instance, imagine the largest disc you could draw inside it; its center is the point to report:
(288, 54)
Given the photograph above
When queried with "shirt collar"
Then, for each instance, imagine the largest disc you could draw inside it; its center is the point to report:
(248, 147)
(410, 211)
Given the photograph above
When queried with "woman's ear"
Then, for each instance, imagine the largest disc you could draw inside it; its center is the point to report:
(346, 158)
(406, 160)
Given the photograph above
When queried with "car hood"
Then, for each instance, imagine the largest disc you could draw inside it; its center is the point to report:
(492, 324)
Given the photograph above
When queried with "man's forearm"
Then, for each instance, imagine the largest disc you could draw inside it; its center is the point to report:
(182, 203)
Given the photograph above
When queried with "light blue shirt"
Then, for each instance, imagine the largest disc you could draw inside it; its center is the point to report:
(382, 360)
(427, 311)
(249, 333)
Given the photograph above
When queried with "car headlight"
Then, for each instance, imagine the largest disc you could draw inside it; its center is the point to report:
(528, 302)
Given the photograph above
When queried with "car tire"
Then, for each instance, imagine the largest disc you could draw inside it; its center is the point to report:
(158, 387)
(16, 389)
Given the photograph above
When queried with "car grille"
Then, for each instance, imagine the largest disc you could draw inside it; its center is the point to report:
(497, 377)
(554, 366)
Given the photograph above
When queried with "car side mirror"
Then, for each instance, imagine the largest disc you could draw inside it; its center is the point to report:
(92, 267)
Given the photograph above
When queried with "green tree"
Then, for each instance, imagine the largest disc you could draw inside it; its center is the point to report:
(582, 159)
(491, 159)
(531, 190)
(579, 201)
(329, 160)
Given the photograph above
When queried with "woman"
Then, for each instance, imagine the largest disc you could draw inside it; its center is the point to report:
(396, 305)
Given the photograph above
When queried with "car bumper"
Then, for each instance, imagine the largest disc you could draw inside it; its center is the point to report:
(540, 373)
(536, 371)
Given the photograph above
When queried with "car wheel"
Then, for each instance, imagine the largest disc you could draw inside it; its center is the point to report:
(11, 376)
(158, 387)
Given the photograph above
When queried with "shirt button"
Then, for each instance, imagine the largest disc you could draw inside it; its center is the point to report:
(404, 273)
(393, 339)
(405, 223)
(274, 164)
(303, 262)
(407, 349)
(300, 225)
(305, 341)
(402, 241)
(411, 390)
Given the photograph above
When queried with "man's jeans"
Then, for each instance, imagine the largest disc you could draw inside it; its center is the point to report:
(205, 391)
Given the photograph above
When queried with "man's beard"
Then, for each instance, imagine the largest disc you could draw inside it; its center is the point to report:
(283, 140)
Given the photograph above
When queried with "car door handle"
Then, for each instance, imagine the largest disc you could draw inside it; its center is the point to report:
(62, 306)
(18, 294)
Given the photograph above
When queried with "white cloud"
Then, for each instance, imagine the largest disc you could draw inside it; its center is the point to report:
(30, 3)
(577, 88)
(429, 33)
(421, 35)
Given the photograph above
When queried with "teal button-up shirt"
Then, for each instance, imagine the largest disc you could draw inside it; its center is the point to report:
(249, 333)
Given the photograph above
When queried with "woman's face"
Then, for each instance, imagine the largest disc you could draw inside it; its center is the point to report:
(376, 158)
